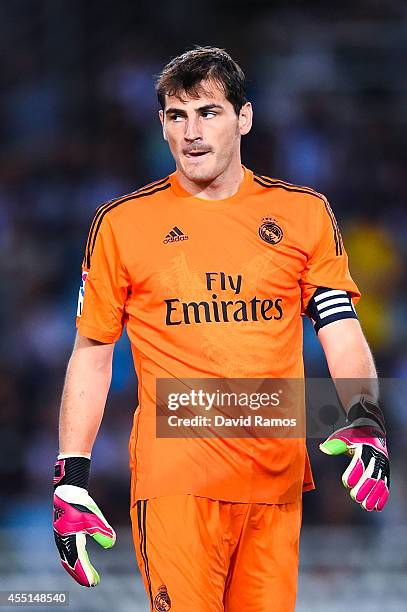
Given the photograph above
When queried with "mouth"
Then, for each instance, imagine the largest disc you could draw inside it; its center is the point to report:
(195, 154)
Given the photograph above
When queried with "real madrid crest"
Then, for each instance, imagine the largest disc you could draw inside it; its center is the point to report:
(162, 601)
(270, 231)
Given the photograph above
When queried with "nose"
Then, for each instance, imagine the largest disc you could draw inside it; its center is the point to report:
(192, 130)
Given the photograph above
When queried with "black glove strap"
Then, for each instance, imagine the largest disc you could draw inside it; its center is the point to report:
(366, 410)
(72, 471)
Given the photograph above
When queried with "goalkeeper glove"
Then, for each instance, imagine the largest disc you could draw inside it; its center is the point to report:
(363, 439)
(75, 516)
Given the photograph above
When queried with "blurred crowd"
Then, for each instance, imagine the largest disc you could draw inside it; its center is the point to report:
(79, 126)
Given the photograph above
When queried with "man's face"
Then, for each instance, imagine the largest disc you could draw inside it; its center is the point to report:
(204, 133)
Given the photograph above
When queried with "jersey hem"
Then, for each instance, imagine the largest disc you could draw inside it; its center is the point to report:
(278, 502)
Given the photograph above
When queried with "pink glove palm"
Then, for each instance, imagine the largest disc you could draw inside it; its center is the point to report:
(76, 515)
(363, 439)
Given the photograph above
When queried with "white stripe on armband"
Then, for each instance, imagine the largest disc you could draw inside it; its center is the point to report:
(329, 305)
(328, 293)
(326, 303)
(333, 311)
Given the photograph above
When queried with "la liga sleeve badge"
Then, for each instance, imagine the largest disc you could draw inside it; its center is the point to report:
(81, 294)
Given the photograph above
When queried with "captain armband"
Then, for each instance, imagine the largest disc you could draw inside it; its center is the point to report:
(329, 305)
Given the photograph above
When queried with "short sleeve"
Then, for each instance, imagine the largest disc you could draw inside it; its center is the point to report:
(327, 265)
(105, 285)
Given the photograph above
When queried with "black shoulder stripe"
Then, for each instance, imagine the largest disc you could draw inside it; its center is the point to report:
(107, 208)
(337, 233)
(271, 181)
(101, 208)
(286, 186)
(94, 221)
(269, 184)
(153, 184)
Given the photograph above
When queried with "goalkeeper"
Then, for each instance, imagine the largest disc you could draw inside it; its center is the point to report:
(210, 269)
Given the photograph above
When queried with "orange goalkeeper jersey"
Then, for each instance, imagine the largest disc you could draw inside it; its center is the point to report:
(211, 288)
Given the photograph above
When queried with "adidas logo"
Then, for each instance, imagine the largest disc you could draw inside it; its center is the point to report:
(175, 235)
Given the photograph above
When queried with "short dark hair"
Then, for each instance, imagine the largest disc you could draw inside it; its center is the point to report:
(186, 72)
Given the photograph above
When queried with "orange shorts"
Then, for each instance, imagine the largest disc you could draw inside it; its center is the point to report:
(204, 555)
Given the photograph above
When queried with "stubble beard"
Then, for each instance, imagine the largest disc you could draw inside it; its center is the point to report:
(203, 176)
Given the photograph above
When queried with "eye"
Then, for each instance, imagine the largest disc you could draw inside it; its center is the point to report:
(175, 117)
(208, 114)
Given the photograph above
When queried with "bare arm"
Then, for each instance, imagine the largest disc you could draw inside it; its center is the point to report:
(363, 438)
(84, 395)
(349, 357)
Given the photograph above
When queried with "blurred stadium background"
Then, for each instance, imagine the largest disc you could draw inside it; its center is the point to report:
(78, 126)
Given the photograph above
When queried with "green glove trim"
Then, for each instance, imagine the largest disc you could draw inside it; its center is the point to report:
(103, 540)
(96, 576)
(334, 447)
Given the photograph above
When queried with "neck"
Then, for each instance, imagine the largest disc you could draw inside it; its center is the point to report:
(225, 185)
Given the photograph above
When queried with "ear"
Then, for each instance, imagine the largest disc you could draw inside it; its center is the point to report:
(245, 118)
(161, 115)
